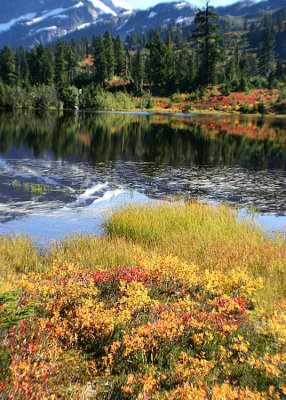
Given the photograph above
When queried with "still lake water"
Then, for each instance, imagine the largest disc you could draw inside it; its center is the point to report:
(60, 172)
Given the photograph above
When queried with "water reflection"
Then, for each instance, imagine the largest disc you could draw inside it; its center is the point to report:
(248, 142)
(51, 161)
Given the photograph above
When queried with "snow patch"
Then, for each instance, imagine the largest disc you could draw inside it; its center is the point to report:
(61, 16)
(127, 12)
(52, 13)
(180, 20)
(181, 4)
(47, 28)
(6, 26)
(104, 8)
(152, 14)
(83, 26)
(121, 26)
(122, 4)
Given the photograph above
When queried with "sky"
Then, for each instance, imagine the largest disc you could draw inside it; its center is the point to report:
(199, 3)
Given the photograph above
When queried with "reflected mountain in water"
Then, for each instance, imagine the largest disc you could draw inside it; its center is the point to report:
(54, 160)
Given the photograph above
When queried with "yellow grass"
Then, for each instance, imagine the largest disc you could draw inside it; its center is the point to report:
(210, 236)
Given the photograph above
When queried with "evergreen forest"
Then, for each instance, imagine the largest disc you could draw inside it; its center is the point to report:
(103, 72)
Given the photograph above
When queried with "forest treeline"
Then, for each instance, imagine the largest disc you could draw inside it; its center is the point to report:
(90, 72)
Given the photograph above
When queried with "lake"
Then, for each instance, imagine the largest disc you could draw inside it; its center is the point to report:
(61, 172)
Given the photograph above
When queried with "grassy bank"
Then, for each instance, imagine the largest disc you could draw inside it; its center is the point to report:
(176, 301)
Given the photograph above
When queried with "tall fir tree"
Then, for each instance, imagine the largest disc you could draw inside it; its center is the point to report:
(7, 65)
(60, 66)
(138, 72)
(182, 70)
(266, 58)
(170, 65)
(100, 61)
(207, 37)
(22, 67)
(157, 62)
(109, 54)
(71, 64)
(119, 56)
(45, 67)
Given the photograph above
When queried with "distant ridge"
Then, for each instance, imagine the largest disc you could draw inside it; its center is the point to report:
(31, 22)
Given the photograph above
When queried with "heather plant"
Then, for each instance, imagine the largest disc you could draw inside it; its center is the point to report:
(162, 328)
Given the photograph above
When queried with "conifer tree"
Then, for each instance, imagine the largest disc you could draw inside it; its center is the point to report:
(183, 70)
(2, 93)
(44, 65)
(266, 59)
(7, 65)
(60, 64)
(22, 67)
(100, 62)
(71, 63)
(208, 39)
(138, 72)
(119, 55)
(170, 65)
(109, 54)
(157, 61)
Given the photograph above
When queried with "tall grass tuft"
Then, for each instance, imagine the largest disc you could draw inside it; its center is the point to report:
(213, 237)
(18, 254)
(92, 251)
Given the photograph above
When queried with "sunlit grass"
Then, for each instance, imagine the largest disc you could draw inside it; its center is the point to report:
(91, 251)
(212, 237)
(18, 254)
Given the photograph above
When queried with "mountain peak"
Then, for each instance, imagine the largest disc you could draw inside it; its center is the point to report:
(31, 22)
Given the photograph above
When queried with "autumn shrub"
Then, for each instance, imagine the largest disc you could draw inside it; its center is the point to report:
(161, 329)
(226, 89)
(261, 108)
(176, 301)
(188, 108)
(246, 108)
(177, 97)
(146, 101)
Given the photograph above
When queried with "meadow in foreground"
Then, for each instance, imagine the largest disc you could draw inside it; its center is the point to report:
(175, 302)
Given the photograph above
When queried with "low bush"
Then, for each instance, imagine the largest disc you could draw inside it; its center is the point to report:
(261, 108)
(44, 97)
(103, 100)
(17, 97)
(69, 95)
(146, 101)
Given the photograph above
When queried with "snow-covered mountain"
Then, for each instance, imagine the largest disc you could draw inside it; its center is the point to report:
(30, 22)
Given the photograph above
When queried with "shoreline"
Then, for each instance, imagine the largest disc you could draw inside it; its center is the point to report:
(153, 111)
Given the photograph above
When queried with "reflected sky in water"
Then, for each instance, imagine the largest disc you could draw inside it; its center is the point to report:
(59, 172)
